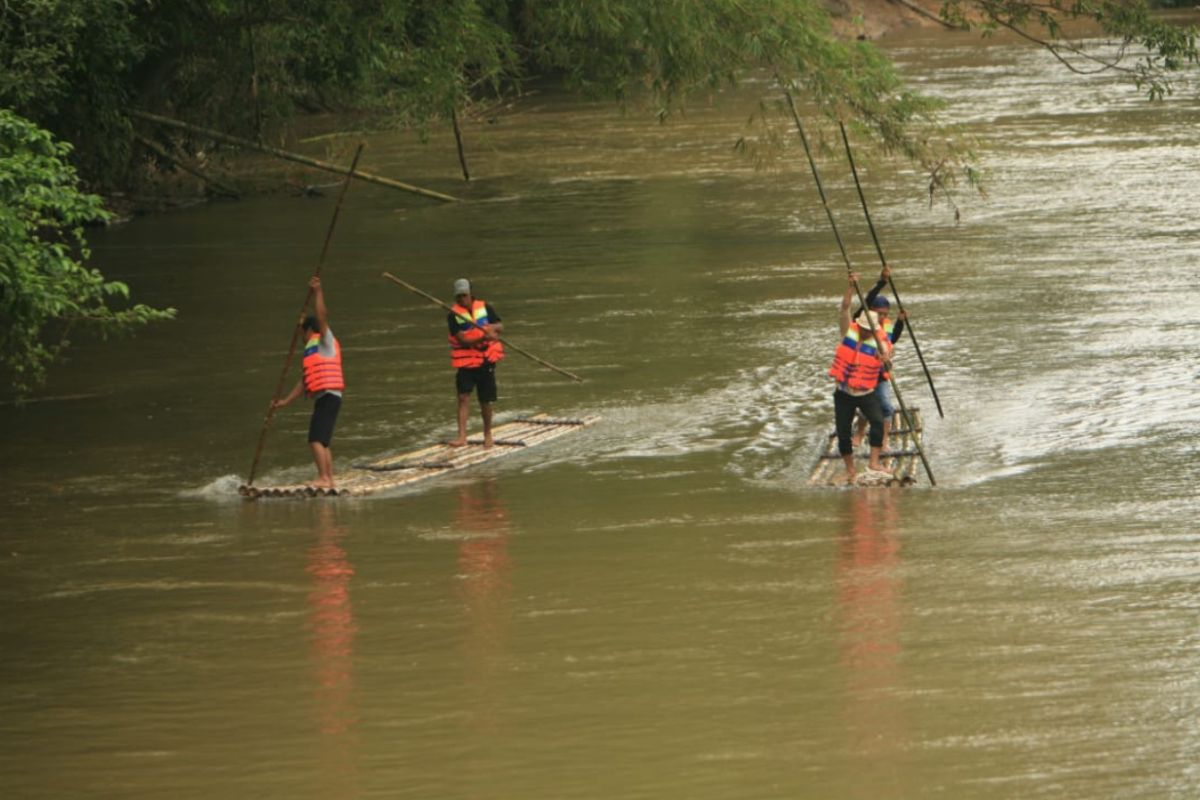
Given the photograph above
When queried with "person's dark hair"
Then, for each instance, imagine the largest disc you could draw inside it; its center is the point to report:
(311, 323)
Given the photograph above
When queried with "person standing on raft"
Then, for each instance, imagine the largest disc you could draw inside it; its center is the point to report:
(858, 365)
(323, 382)
(475, 349)
(894, 329)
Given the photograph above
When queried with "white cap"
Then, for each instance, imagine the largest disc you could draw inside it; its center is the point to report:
(868, 320)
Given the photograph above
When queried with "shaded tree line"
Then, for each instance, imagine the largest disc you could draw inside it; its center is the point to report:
(72, 72)
(76, 67)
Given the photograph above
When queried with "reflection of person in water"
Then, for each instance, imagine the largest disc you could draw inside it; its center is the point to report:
(483, 571)
(870, 604)
(332, 629)
(484, 565)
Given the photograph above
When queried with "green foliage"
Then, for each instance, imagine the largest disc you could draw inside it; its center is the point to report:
(45, 290)
(77, 66)
(240, 65)
(246, 66)
(432, 58)
(66, 64)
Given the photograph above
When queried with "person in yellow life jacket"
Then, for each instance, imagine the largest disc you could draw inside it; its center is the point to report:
(322, 381)
(475, 349)
(858, 366)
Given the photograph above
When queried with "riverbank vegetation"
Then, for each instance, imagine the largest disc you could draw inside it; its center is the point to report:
(92, 72)
(80, 68)
(47, 294)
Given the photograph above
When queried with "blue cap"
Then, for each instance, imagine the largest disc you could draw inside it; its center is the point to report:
(880, 302)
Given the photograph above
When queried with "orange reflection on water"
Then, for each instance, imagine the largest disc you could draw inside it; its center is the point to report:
(332, 629)
(484, 572)
(483, 555)
(870, 604)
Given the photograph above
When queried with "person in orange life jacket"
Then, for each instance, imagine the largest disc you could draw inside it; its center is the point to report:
(322, 380)
(474, 350)
(881, 307)
(858, 364)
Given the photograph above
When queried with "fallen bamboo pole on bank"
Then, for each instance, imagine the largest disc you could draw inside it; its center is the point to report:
(161, 152)
(289, 156)
(504, 342)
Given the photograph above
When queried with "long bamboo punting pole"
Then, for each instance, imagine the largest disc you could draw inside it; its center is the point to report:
(505, 342)
(285, 154)
(883, 261)
(287, 362)
(908, 419)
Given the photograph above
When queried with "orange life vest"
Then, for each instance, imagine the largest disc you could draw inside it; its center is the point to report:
(322, 374)
(477, 350)
(856, 362)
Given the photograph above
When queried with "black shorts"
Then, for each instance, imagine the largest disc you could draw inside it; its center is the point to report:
(844, 407)
(324, 417)
(481, 380)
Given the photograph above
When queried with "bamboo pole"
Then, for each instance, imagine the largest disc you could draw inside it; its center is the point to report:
(883, 261)
(289, 156)
(287, 362)
(504, 342)
(458, 140)
(908, 420)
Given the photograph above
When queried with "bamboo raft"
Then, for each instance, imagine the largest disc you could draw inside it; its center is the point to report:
(430, 462)
(901, 458)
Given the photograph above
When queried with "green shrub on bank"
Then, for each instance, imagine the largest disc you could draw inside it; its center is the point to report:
(47, 293)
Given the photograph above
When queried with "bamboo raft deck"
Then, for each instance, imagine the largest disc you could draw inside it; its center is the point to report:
(430, 462)
(901, 458)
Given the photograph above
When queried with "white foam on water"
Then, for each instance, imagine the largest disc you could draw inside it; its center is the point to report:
(220, 489)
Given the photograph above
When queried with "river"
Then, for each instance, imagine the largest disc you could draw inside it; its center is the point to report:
(656, 606)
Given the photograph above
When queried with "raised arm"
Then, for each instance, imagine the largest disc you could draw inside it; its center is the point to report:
(879, 284)
(319, 304)
(844, 315)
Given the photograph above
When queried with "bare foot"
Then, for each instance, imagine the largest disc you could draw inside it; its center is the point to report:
(488, 442)
(851, 477)
(879, 468)
(321, 484)
(458, 442)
